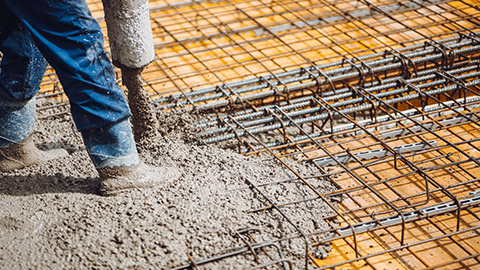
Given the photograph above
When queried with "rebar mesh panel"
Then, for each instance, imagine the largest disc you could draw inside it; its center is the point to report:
(205, 43)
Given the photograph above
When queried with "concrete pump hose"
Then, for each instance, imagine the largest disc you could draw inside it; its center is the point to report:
(129, 32)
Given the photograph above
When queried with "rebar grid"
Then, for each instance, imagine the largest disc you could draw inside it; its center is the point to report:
(265, 38)
(406, 133)
(381, 96)
(204, 43)
(402, 147)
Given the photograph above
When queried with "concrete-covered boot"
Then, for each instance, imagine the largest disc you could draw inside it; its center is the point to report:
(114, 154)
(118, 179)
(17, 150)
(22, 154)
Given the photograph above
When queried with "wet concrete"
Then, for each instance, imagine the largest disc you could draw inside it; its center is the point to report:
(144, 120)
(53, 218)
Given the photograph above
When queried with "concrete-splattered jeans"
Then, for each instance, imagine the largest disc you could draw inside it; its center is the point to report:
(64, 33)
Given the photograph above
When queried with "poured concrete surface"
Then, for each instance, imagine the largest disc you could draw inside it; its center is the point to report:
(53, 218)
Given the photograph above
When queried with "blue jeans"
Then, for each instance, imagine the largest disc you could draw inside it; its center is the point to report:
(65, 34)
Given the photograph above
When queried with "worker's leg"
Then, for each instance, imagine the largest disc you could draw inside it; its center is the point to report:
(22, 69)
(72, 42)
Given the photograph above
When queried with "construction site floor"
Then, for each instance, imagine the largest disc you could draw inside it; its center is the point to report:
(308, 81)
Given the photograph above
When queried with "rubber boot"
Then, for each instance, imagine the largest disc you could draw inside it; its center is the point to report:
(24, 154)
(17, 150)
(119, 179)
(113, 152)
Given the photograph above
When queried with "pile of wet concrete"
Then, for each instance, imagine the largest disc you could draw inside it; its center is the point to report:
(53, 218)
